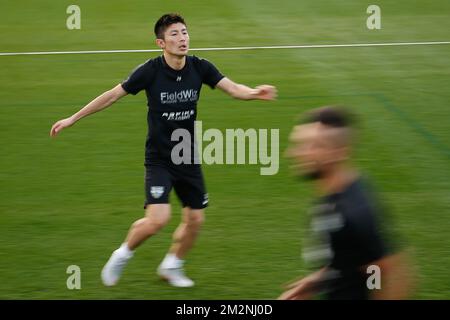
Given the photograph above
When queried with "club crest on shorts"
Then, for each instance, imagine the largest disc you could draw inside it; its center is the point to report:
(157, 191)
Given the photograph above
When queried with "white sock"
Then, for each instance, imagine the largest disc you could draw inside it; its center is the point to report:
(125, 252)
(171, 261)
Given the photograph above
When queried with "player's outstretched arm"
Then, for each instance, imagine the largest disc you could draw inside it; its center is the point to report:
(242, 92)
(101, 102)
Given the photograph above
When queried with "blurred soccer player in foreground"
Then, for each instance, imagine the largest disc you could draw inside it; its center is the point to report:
(348, 239)
(172, 83)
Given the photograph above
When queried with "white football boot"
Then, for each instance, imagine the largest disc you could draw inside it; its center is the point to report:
(113, 268)
(171, 269)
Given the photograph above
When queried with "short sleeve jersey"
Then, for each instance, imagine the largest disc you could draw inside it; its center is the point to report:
(172, 97)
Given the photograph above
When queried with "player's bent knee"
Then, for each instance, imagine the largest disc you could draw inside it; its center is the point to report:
(158, 215)
(195, 220)
(158, 223)
(139, 223)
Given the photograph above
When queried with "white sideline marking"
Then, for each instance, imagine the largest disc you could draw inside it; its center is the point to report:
(349, 45)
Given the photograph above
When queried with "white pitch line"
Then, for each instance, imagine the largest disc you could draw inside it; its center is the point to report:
(349, 45)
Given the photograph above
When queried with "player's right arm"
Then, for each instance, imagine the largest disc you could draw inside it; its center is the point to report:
(101, 102)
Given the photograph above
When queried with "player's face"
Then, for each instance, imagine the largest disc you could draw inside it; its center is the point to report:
(312, 150)
(176, 40)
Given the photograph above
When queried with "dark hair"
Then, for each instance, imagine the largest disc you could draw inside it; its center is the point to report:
(333, 116)
(165, 21)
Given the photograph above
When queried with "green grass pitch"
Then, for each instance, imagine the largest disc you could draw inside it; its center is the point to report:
(71, 200)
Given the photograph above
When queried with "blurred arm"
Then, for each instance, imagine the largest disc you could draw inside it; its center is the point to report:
(242, 92)
(304, 288)
(101, 102)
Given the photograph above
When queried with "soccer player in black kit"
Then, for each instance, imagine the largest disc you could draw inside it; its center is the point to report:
(172, 83)
(348, 240)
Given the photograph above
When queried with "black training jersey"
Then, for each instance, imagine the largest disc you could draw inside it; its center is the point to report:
(347, 233)
(172, 101)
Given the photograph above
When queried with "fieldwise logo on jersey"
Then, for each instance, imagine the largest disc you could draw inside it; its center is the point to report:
(179, 96)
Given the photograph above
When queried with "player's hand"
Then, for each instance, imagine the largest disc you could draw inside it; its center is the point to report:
(299, 290)
(61, 124)
(305, 288)
(265, 92)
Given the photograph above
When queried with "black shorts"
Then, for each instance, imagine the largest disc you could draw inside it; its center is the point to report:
(187, 180)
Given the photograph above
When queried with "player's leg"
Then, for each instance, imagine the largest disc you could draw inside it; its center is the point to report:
(157, 215)
(171, 268)
(185, 235)
(191, 191)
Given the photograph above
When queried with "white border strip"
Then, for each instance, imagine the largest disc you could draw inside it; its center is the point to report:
(350, 45)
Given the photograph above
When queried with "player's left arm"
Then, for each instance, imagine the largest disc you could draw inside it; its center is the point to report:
(304, 288)
(242, 92)
(397, 279)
